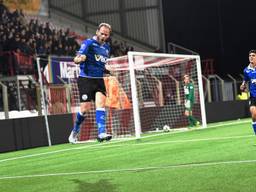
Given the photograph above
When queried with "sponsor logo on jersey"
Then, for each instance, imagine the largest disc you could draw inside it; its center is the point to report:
(100, 58)
(253, 81)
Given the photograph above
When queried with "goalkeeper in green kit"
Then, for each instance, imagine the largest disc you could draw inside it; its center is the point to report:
(189, 101)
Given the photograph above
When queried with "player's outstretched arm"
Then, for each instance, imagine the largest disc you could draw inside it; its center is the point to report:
(108, 67)
(79, 58)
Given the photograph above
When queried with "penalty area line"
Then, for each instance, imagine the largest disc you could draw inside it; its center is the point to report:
(151, 168)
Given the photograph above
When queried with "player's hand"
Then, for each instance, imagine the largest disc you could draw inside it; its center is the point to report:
(79, 58)
(108, 68)
(243, 87)
(187, 104)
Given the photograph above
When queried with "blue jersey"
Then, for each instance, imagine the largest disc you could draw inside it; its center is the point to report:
(250, 77)
(96, 58)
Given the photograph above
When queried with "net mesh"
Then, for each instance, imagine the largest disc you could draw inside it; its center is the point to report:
(56, 99)
(160, 92)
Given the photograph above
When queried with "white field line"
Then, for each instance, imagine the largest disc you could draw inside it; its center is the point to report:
(196, 140)
(189, 165)
(184, 129)
(230, 123)
(122, 140)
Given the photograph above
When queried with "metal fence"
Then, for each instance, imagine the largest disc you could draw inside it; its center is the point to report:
(22, 92)
(226, 88)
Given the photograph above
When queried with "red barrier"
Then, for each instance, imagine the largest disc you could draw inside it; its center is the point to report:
(16, 63)
(24, 63)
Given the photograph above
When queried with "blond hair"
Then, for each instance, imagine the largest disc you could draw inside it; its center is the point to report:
(104, 25)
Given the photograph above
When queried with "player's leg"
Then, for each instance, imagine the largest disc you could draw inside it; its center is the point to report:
(195, 122)
(85, 89)
(100, 112)
(252, 103)
(187, 114)
(80, 116)
(253, 114)
(100, 99)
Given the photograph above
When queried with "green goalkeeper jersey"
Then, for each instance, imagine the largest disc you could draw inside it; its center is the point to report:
(189, 92)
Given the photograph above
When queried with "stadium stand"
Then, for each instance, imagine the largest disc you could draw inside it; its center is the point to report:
(24, 37)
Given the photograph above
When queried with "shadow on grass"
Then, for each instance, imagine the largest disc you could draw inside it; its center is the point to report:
(103, 185)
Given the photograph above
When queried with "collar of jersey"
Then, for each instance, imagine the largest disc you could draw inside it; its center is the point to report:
(250, 67)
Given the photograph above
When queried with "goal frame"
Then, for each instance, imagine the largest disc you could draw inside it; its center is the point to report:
(135, 102)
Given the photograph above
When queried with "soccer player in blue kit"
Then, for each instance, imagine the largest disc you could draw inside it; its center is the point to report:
(250, 78)
(92, 57)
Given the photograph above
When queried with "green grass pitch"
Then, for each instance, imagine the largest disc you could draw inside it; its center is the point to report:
(219, 158)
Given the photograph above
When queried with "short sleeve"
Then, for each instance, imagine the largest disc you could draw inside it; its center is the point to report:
(84, 47)
(246, 77)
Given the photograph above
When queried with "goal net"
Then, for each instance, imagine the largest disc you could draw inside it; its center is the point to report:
(145, 93)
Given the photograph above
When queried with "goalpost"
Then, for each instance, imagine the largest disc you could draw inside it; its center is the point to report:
(153, 84)
(164, 75)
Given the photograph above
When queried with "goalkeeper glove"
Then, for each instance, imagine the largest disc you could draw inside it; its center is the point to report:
(187, 104)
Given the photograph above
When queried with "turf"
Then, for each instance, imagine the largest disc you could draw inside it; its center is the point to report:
(219, 158)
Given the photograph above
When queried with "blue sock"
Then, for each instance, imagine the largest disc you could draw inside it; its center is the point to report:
(79, 119)
(100, 120)
(254, 126)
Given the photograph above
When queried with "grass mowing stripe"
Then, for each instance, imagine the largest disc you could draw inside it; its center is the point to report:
(122, 145)
(57, 151)
(189, 165)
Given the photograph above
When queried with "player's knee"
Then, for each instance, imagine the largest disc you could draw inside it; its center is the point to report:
(253, 116)
(100, 102)
(85, 107)
(253, 111)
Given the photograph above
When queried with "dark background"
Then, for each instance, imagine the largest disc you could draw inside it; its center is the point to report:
(224, 30)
